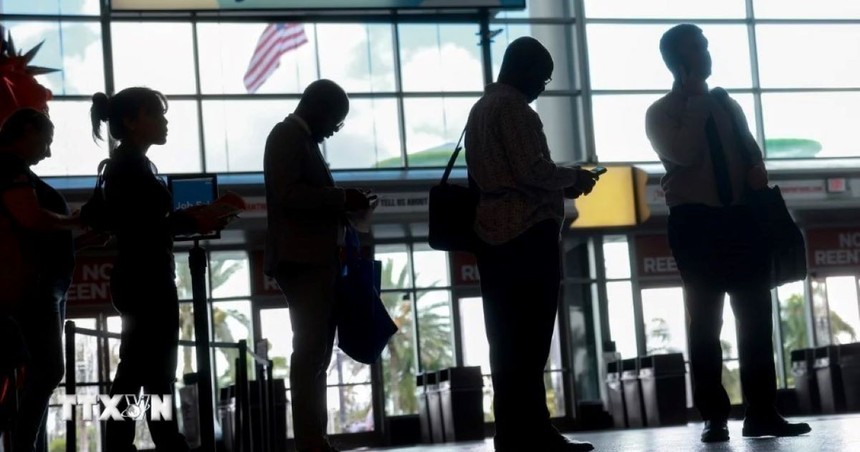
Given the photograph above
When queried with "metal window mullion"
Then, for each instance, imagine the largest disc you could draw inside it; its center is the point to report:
(756, 76)
(398, 92)
(416, 334)
(195, 48)
(662, 20)
(809, 314)
(107, 59)
(638, 310)
(586, 112)
(778, 338)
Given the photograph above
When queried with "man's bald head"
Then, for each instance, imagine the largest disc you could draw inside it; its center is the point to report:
(324, 106)
(527, 66)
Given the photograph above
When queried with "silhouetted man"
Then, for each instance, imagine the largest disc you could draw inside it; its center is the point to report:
(714, 238)
(518, 218)
(305, 225)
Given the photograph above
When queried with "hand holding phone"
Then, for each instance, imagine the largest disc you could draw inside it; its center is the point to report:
(584, 183)
(599, 170)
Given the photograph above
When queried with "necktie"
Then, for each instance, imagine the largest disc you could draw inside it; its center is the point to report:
(718, 161)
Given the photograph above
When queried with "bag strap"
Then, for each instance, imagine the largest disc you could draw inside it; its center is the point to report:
(100, 178)
(723, 97)
(453, 159)
(351, 243)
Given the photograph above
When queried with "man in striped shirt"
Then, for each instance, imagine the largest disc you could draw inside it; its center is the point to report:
(519, 217)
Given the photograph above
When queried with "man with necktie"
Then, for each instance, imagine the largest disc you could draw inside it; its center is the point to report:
(711, 161)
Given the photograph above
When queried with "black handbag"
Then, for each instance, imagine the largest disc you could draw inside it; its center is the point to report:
(785, 242)
(452, 212)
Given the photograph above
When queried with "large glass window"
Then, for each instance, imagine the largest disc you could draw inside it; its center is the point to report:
(792, 317)
(349, 382)
(476, 352)
(226, 50)
(665, 324)
(235, 131)
(628, 56)
(73, 152)
(440, 58)
(369, 138)
(622, 324)
(433, 126)
(56, 7)
(181, 153)
(802, 9)
(416, 292)
(615, 112)
(782, 48)
(811, 124)
(789, 58)
(158, 55)
(666, 9)
(75, 48)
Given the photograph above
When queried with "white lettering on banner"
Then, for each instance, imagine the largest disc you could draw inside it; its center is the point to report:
(657, 265)
(849, 240)
(837, 257)
(270, 284)
(94, 283)
(469, 273)
(92, 291)
(96, 272)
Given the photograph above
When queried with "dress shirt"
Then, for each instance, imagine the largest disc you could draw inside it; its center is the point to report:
(509, 159)
(675, 124)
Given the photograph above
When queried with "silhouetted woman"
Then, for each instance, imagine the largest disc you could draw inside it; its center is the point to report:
(44, 226)
(142, 284)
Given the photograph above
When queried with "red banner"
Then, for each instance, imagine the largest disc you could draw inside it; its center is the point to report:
(464, 269)
(833, 247)
(654, 257)
(91, 281)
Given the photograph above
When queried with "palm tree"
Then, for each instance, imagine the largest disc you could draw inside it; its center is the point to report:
(220, 272)
(660, 337)
(434, 323)
(795, 335)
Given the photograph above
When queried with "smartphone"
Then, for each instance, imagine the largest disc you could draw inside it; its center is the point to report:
(599, 170)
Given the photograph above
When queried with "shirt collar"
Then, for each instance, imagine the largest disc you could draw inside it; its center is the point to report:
(301, 122)
(502, 88)
(679, 90)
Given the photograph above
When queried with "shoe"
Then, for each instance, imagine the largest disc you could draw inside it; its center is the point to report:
(553, 443)
(773, 426)
(557, 442)
(715, 432)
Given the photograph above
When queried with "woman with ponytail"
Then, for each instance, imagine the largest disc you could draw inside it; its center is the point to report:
(143, 287)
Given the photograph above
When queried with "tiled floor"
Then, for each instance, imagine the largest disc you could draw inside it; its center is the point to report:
(829, 434)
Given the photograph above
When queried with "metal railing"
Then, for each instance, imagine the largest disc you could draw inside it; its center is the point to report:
(245, 439)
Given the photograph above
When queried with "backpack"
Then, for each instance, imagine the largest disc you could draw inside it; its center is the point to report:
(94, 213)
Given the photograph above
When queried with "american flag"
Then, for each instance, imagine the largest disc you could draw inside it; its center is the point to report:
(276, 40)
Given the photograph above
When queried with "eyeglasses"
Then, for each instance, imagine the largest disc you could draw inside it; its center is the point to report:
(547, 81)
(339, 126)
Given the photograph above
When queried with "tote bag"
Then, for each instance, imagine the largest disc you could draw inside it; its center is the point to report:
(363, 324)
